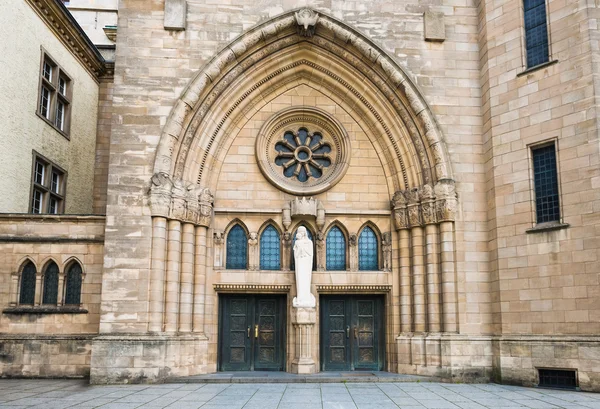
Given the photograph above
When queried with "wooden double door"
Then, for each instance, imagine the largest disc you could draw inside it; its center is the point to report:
(352, 333)
(251, 332)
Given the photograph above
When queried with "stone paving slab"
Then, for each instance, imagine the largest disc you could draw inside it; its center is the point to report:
(59, 394)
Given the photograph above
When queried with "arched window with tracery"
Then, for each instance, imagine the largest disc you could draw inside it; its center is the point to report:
(270, 249)
(237, 249)
(74, 282)
(336, 249)
(27, 292)
(310, 236)
(50, 293)
(368, 250)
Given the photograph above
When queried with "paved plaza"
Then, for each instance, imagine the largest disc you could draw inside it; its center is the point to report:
(55, 394)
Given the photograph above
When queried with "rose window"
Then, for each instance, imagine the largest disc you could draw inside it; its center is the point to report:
(303, 155)
(303, 150)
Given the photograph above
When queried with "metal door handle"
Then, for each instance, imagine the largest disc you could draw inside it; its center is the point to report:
(256, 331)
(355, 332)
(248, 332)
(348, 331)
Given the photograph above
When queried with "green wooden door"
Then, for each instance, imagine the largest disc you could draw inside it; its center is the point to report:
(351, 333)
(251, 333)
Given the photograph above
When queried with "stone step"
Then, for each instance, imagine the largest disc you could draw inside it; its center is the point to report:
(284, 377)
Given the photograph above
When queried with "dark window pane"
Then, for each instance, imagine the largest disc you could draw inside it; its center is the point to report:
(367, 250)
(546, 184)
(74, 278)
(27, 284)
(270, 249)
(536, 32)
(50, 295)
(336, 249)
(237, 248)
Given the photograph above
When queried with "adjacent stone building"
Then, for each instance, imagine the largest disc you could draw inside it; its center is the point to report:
(442, 157)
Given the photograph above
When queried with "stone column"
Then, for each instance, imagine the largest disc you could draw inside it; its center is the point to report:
(406, 317)
(14, 289)
(433, 278)
(38, 296)
(418, 269)
(157, 274)
(199, 278)
(187, 277)
(286, 256)
(173, 271)
(253, 252)
(61, 289)
(303, 320)
(450, 320)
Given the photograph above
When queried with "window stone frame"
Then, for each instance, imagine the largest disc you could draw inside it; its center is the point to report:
(46, 186)
(55, 96)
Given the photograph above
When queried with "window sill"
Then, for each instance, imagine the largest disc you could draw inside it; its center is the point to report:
(22, 309)
(537, 67)
(49, 122)
(548, 226)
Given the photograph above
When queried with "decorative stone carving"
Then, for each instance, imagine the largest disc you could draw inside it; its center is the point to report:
(321, 253)
(307, 21)
(218, 240)
(180, 200)
(178, 197)
(160, 194)
(287, 216)
(320, 216)
(353, 239)
(303, 207)
(425, 205)
(218, 237)
(253, 262)
(414, 211)
(446, 200)
(386, 245)
(303, 257)
(428, 204)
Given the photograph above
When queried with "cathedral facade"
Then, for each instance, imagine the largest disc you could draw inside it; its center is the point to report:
(442, 157)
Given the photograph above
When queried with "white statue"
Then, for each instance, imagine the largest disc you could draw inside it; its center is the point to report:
(303, 258)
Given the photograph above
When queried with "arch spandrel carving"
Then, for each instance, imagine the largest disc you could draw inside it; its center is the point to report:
(385, 77)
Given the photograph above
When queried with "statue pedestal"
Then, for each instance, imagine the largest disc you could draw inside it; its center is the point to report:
(304, 320)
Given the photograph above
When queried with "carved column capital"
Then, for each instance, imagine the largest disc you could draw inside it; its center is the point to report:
(446, 200)
(160, 194)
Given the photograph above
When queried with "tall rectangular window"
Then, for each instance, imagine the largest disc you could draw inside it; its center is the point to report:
(545, 174)
(49, 184)
(536, 32)
(55, 95)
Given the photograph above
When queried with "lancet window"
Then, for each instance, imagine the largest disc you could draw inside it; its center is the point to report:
(50, 293)
(368, 250)
(237, 248)
(270, 249)
(336, 249)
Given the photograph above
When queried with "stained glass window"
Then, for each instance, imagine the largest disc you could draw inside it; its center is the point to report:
(28, 284)
(309, 234)
(546, 184)
(336, 249)
(237, 248)
(536, 32)
(270, 249)
(74, 279)
(50, 295)
(367, 250)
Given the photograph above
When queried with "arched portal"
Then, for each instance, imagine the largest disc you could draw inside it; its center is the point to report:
(357, 114)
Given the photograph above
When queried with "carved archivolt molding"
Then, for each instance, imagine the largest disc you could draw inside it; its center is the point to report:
(180, 200)
(267, 39)
(425, 205)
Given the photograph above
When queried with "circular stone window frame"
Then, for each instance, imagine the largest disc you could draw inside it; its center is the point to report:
(315, 120)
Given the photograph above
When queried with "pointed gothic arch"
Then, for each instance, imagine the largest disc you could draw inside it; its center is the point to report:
(264, 62)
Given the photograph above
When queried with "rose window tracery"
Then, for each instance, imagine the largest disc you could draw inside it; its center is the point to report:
(303, 150)
(303, 155)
